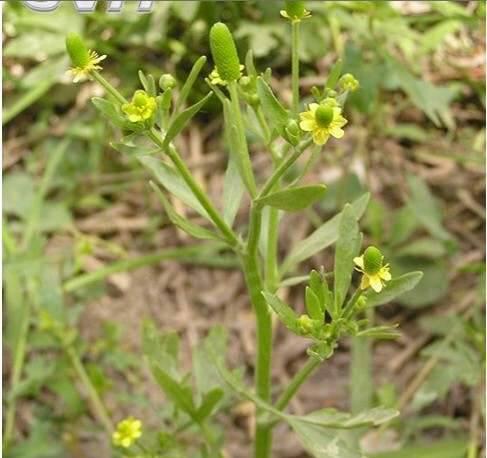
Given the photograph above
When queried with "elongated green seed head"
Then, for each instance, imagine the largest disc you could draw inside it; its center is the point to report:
(372, 260)
(295, 9)
(77, 50)
(324, 115)
(224, 52)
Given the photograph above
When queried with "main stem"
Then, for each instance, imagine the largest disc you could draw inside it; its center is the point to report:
(96, 402)
(263, 435)
(295, 66)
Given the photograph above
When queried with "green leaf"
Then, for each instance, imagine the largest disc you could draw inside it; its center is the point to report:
(169, 179)
(331, 418)
(210, 400)
(334, 75)
(404, 224)
(443, 449)
(182, 119)
(425, 247)
(393, 289)
(110, 111)
(187, 226)
(380, 332)
(176, 391)
(319, 285)
(325, 443)
(323, 237)
(313, 305)
(425, 208)
(293, 199)
(275, 113)
(283, 311)
(347, 248)
(188, 84)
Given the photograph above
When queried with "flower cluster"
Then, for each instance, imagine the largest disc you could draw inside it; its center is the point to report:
(127, 432)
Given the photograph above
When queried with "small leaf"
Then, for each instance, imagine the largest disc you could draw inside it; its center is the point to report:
(323, 237)
(380, 332)
(425, 247)
(210, 400)
(313, 305)
(283, 311)
(425, 208)
(187, 226)
(275, 113)
(394, 288)
(177, 392)
(293, 199)
(334, 75)
(110, 111)
(188, 84)
(170, 180)
(182, 119)
(347, 248)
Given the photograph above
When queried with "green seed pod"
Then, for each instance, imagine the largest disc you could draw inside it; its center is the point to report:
(167, 81)
(324, 115)
(77, 50)
(372, 260)
(295, 9)
(224, 52)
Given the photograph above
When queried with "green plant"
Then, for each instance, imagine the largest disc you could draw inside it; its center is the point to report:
(150, 123)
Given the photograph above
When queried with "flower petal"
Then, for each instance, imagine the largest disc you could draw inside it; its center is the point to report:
(359, 261)
(385, 274)
(364, 283)
(337, 132)
(307, 125)
(375, 283)
(320, 136)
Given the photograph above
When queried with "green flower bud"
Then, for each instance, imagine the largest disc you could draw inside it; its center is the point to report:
(293, 132)
(295, 9)
(77, 50)
(246, 82)
(324, 115)
(224, 52)
(348, 83)
(305, 324)
(361, 302)
(372, 260)
(167, 81)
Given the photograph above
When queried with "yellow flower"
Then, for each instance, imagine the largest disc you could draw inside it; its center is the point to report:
(375, 274)
(84, 60)
(217, 80)
(141, 108)
(83, 73)
(128, 431)
(323, 120)
(295, 11)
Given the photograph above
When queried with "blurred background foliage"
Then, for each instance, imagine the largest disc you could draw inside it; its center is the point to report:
(417, 141)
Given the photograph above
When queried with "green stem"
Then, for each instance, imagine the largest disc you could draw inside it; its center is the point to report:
(242, 142)
(109, 88)
(282, 168)
(349, 308)
(271, 269)
(296, 383)
(295, 66)
(96, 402)
(14, 300)
(196, 190)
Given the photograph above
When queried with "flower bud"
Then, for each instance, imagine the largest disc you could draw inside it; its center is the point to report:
(224, 52)
(372, 260)
(305, 324)
(167, 81)
(77, 50)
(361, 302)
(246, 82)
(293, 132)
(348, 83)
